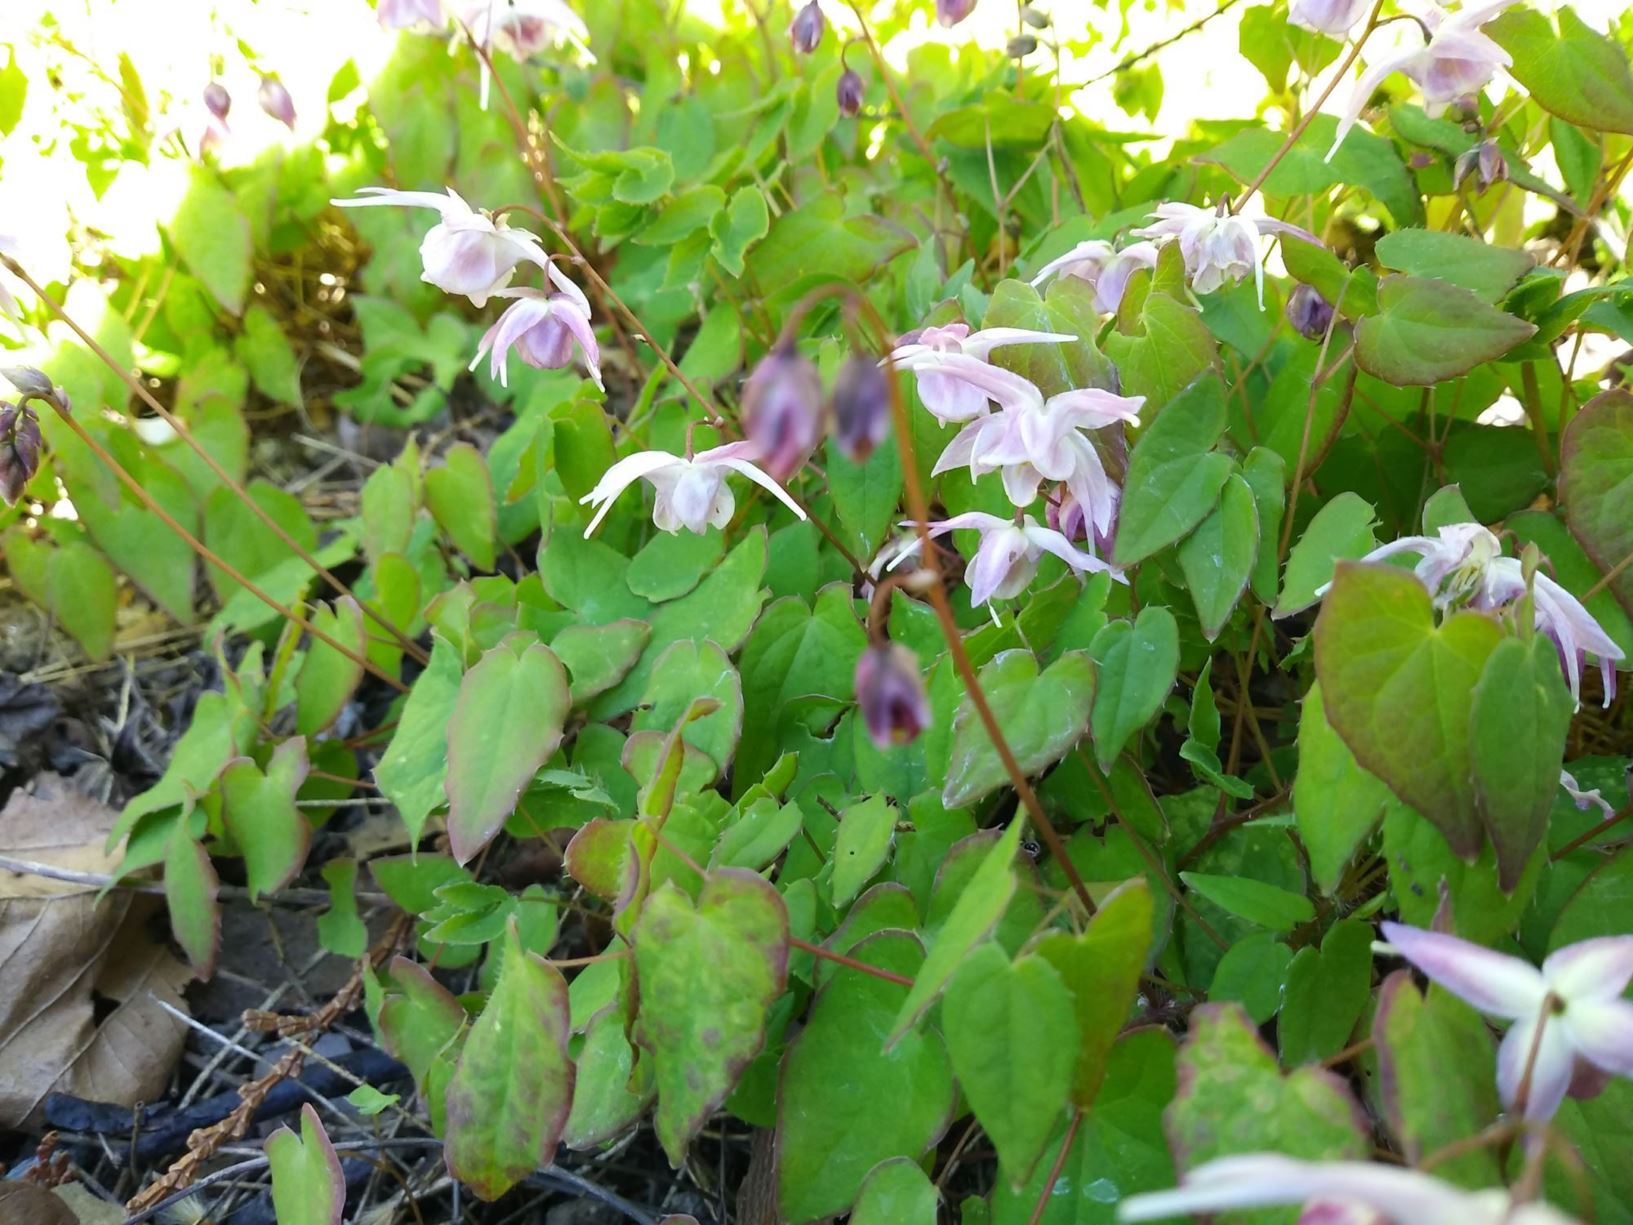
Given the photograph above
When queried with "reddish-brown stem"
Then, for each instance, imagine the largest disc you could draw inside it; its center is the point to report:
(850, 963)
(186, 435)
(919, 504)
(1055, 1169)
(226, 567)
(1581, 840)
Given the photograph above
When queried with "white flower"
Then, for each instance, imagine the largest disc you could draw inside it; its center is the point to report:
(521, 28)
(1464, 564)
(1333, 17)
(1106, 269)
(940, 357)
(692, 492)
(1033, 440)
(1008, 556)
(1568, 1010)
(467, 252)
(543, 329)
(1219, 247)
(1348, 1191)
(1457, 60)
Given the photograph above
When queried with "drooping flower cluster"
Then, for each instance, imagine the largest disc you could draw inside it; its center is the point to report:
(1456, 60)
(476, 254)
(1463, 566)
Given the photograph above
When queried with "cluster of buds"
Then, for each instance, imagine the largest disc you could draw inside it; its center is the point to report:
(20, 429)
(785, 414)
(1485, 163)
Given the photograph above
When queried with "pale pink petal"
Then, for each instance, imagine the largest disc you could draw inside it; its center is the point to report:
(1051, 541)
(1095, 409)
(1364, 89)
(1551, 1066)
(577, 322)
(763, 480)
(449, 205)
(620, 477)
(1096, 252)
(1494, 983)
(1597, 969)
(981, 343)
(961, 450)
(1601, 1030)
(999, 551)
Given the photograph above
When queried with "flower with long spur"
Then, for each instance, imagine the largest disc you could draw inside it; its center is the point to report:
(1567, 1013)
(405, 14)
(1009, 554)
(1347, 1192)
(1106, 269)
(468, 252)
(1220, 247)
(1033, 439)
(1463, 564)
(691, 490)
(521, 28)
(941, 357)
(1456, 59)
(542, 329)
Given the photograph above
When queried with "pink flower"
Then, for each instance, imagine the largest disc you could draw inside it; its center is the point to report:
(521, 28)
(467, 252)
(1457, 60)
(542, 328)
(1569, 1010)
(1009, 554)
(1219, 247)
(1351, 1192)
(1104, 267)
(1585, 799)
(1332, 17)
(939, 356)
(890, 694)
(692, 491)
(1033, 440)
(402, 14)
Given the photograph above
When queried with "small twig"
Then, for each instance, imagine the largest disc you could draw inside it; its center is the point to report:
(1128, 61)
(1054, 1170)
(850, 963)
(102, 880)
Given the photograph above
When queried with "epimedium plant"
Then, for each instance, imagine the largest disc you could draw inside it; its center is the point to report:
(984, 648)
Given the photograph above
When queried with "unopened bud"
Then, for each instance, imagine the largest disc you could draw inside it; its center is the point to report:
(19, 450)
(861, 408)
(31, 382)
(1308, 312)
(1034, 18)
(1485, 161)
(275, 101)
(782, 410)
(849, 92)
(950, 12)
(1021, 46)
(890, 692)
(806, 30)
(217, 100)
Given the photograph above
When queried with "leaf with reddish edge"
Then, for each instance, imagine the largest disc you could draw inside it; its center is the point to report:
(418, 1017)
(1521, 716)
(601, 858)
(513, 1087)
(308, 1187)
(508, 721)
(327, 677)
(259, 812)
(599, 656)
(1101, 968)
(1399, 689)
(1427, 331)
(1596, 485)
(1437, 1076)
(706, 976)
(1233, 1098)
(657, 796)
(190, 885)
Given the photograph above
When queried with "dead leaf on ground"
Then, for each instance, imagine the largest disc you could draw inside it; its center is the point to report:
(79, 1011)
(26, 1202)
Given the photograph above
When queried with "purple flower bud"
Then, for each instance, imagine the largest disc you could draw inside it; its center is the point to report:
(275, 101)
(19, 450)
(217, 100)
(950, 12)
(1021, 46)
(849, 92)
(782, 410)
(1308, 312)
(1485, 160)
(890, 691)
(861, 408)
(806, 31)
(31, 382)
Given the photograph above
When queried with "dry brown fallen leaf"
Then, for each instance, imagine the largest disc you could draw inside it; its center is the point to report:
(82, 976)
(25, 1202)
